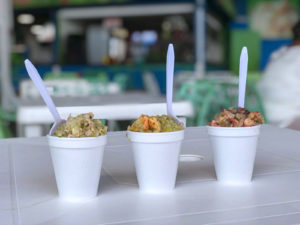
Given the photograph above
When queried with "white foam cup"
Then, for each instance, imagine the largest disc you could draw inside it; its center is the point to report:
(77, 166)
(234, 150)
(156, 157)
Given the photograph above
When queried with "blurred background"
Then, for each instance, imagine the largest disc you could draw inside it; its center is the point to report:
(112, 52)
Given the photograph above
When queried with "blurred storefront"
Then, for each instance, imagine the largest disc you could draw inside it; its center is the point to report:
(115, 46)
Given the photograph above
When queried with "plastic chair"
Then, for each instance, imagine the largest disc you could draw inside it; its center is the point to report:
(209, 97)
(96, 76)
(200, 94)
(122, 79)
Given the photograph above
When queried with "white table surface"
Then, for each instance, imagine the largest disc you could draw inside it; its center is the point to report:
(29, 196)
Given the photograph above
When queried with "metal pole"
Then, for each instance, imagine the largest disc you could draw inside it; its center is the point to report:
(200, 38)
(7, 93)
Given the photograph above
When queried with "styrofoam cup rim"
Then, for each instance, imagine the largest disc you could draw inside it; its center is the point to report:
(77, 143)
(76, 139)
(235, 128)
(234, 131)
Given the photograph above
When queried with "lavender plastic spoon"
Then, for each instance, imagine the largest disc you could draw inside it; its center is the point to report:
(170, 75)
(243, 77)
(37, 80)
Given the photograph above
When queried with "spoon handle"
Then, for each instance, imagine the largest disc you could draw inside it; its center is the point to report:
(170, 72)
(37, 80)
(243, 76)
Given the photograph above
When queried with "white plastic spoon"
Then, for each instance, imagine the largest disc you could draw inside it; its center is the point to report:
(37, 80)
(243, 76)
(170, 75)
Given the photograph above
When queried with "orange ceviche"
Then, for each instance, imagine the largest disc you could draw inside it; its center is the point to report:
(155, 124)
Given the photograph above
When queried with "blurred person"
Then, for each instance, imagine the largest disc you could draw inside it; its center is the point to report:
(280, 84)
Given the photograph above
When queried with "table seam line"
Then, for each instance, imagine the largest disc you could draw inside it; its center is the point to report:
(277, 173)
(14, 192)
(282, 155)
(116, 181)
(252, 219)
(199, 213)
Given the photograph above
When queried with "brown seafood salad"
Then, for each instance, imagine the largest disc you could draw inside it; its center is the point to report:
(237, 117)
